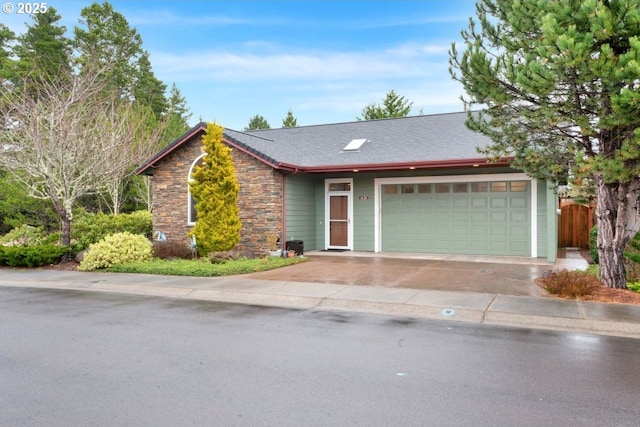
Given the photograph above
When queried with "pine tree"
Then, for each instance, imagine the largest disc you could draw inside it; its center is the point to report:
(178, 117)
(394, 105)
(6, 63)
(215, 190)
(557, 81)
(109, 38)
(257, 122)
(289, 121)
(43, 51)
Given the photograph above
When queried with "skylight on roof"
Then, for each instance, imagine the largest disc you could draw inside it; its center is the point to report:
(355, 144)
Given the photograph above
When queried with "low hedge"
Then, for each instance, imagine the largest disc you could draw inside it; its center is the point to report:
(32, 256)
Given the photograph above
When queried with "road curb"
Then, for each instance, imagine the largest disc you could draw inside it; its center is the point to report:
(602, 327)
(329, 303)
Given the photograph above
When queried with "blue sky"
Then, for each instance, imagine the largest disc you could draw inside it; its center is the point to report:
(324, 60)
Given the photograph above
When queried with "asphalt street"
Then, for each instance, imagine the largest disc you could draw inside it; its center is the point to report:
(72, 358)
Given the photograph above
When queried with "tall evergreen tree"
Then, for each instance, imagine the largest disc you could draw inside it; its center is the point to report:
(257, 122)
(557, 83)
(393, 105)
(108, 38)
(178, 116)
(148, 89)
(215, 189)
(6, 63)
(43, 50)
(289, 121)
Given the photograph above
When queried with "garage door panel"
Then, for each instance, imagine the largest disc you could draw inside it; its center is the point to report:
(460, 203)
(516, 231)
(444, 230)
(518, 247)
(478, 230)
(441, 203)
(479, 202)
(519, 202)
(489, 220)
(519, 217)
(459, 231)
(460, 245)
(479, 246)
(498, 216)
(498, 246)
(498, 202)
(479, 217)
(441, 217)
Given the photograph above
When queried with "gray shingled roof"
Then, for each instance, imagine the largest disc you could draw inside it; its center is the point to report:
(422, 141)
(429, 138)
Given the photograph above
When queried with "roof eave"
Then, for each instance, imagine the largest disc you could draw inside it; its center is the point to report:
(438, 164)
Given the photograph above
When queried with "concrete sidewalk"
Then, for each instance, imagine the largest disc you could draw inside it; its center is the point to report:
(479, 308)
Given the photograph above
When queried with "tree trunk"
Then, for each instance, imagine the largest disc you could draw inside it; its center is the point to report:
(66, 231)
(618, 221)
(65, 223)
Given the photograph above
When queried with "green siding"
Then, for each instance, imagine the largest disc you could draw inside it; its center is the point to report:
(542, 218)
(363, 214)
(301, 210)
(319, 214)
(552, 223)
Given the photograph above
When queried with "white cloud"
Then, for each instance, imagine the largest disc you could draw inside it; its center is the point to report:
(406, 61)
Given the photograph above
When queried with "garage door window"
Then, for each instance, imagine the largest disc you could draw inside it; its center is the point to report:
(407, 188)
(518, 186)
(479, 187)
(390, 189)
(461, 187)
(498, 186)
(443, 188)
(424, 188)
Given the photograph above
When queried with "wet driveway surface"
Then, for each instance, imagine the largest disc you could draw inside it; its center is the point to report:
(461, 276)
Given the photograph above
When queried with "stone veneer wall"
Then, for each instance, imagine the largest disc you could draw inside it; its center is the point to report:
(259, 199)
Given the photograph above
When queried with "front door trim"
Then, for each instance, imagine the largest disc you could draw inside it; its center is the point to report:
(328, 193)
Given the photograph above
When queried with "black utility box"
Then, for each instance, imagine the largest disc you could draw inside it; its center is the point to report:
(295, 245)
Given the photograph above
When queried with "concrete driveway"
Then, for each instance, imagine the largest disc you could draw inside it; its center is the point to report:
(496, 277)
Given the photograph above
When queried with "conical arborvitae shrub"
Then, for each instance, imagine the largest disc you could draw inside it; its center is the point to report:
(215, 189)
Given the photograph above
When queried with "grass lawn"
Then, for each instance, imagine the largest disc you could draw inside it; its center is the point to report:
(182, 267)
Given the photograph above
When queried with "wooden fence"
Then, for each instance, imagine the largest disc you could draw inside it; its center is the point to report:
(575, 223)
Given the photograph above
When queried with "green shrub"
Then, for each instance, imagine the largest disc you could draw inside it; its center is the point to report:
(634, 286)
(25, 235)
(88, 228)
(32, 256)
(570, 284)
(117, 249)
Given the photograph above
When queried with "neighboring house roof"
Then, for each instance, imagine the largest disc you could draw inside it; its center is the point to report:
(440, 140)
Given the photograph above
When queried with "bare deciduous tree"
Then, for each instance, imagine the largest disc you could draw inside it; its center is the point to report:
(73, 138)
